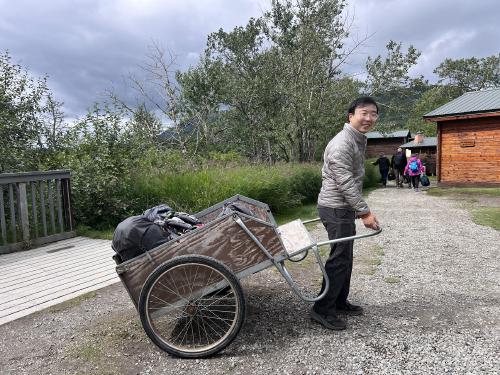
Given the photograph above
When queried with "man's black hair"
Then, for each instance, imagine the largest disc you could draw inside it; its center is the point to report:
(361, 102)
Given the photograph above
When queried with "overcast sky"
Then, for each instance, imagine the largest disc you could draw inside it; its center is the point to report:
(88, 46)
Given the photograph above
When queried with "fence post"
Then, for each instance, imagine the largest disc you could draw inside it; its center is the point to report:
(12, 213)
(66, 194)
(23, 211)
(2, 218)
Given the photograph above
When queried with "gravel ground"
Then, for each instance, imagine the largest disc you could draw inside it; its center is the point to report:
(429, 284)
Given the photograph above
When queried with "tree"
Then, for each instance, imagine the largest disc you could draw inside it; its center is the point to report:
(388, 80)
(31, 120)
(433, 98)
(456, 77)
(470, 74)
(274, 91)
(160, 108)
(201, 95)
(101, 158)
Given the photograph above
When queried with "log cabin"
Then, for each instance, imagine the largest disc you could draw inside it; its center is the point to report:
(468, 139)
(426, 148)
(385, 143)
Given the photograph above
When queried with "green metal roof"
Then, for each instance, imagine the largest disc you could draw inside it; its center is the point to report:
(470, 102)
(426, 142)
(395, 134)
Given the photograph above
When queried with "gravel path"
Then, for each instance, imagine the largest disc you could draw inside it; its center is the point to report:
(429, 284)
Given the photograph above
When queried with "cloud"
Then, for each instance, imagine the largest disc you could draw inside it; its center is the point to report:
(88, 46)
(439, 29)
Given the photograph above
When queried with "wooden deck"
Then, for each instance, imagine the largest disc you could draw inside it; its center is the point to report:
(36, 279)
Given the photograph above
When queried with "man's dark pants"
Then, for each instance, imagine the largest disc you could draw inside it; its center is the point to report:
(339, 223)
(384, 173)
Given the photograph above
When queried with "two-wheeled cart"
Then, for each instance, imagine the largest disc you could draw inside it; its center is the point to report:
(187, 291)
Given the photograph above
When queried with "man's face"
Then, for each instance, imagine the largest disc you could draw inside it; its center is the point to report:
(364, 118)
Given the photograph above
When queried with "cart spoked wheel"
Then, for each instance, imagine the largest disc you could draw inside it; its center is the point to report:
(192, 306)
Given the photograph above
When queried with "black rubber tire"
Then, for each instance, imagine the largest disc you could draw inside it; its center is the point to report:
(192, 309)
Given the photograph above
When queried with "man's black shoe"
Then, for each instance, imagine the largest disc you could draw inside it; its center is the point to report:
(330, 321)
(350, 309)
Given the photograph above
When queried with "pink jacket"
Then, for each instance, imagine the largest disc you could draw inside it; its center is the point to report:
(409, 171)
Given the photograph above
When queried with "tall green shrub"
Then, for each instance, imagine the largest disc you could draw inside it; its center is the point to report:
(281, 186)
(372, 175)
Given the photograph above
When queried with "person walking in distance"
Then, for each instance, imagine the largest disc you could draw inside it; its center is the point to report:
(383, 166)
(398, 163)
(414, 168)
(340, 201)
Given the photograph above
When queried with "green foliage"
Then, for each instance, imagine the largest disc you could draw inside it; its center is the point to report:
(390, 83)
(284, 187)
(225, 157)
(281, 186)
(433, 98)
(391, 73)
(305, 212)
(30, 119)
(273, 84)
(86, 231)
(470, 74)
(99, 161)
(307, 184)
(372, 175)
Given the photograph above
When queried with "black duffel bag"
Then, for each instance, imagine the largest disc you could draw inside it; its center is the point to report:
(424, 180)
(136, 235)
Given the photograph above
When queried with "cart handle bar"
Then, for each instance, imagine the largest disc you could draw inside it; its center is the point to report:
(280, 265)
(350, 238)
(284, 271)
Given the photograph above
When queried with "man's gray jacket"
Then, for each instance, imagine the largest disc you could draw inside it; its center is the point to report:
(343, 171)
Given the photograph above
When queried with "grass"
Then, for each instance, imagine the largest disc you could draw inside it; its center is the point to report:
(371, 271)
(103, 342)
(375, 261)
(90, 352)
(281, 186)
(72, 302)
(482, 215)
(372, 260)
(488, 216)
(377, 250)
(306, 212)
(86, 231)
(392, 280)
(438, 191)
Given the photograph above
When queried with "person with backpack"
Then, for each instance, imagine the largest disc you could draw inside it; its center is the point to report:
(398, 163)
(383, 166)
(414, 168)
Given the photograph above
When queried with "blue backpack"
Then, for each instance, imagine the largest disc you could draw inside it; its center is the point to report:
(414, 166)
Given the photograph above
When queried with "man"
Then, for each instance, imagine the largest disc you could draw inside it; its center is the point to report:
(383, 167)
(340, 201)
(398, 163)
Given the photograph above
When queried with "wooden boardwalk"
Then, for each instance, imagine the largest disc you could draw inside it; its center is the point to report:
(36, 279)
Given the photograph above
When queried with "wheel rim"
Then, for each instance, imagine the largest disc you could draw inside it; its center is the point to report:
(192, 307)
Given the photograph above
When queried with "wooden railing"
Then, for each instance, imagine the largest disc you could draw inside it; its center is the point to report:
(35, 208)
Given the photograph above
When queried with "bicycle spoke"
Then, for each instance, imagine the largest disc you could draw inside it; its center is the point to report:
(193, 308)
